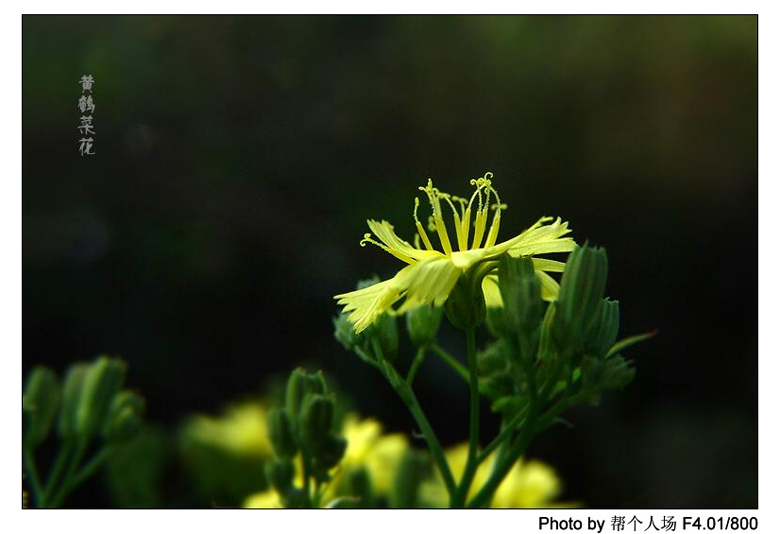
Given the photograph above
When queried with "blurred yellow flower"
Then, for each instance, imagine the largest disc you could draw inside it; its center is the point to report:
(240, 431)
(264, 499)
(529, 484)
(431, 274)
(378, 453)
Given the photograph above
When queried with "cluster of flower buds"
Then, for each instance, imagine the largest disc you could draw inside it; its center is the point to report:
(90, 403)
(89, 406)
(568, 349)
(305, 426)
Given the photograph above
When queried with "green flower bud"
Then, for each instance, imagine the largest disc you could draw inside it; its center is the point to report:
(316, 421)
(385, 331)
(125, 418)
(281, 433)
(602, 375)
(101, 384)
(422, 324)
(604, 332)
(521, 293)
(301, 384)
(71, 399)
(579, 299)
(344, 332)
(496, 379)
(40, 402)
(280, 474)
(330, 453)
(465, 307)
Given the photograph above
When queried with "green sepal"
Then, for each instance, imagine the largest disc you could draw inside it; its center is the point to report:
(465, 307)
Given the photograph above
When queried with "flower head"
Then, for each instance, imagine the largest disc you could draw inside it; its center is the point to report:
(432, 273)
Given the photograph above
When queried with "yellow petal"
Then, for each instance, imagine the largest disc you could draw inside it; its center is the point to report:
(428, 282)
(363, 306)
(491, 291)
(385, 232)
(544, 239)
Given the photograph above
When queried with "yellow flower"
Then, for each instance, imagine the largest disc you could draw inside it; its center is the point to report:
(529, 484)
(240, 431)
(431, 274)
(380, 454)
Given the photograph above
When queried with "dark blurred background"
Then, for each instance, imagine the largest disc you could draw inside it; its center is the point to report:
(238, 158)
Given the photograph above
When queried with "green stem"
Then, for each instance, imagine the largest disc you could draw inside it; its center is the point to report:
(408, 397)
(451, 361)
(63, 455)
(90, 467)
(418, 360)
(307, 478)
(505, 433)
(532, 424)
(485, 494)
(471, 463)
(65, 486)
(35, 480)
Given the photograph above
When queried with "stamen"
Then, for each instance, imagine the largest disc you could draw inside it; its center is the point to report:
(462, 245)
(496, 224)
(400, 255)
(420, 229)
(433, 197)
(481, 218)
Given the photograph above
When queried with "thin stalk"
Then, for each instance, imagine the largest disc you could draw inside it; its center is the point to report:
(529, 428)
(90, 467)
(407, 395)
(418, 360)
(451, 361)
(471, 463)
(63, 455)
(430, 438)
(501, 469)
(505, 433)
(64, 489)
